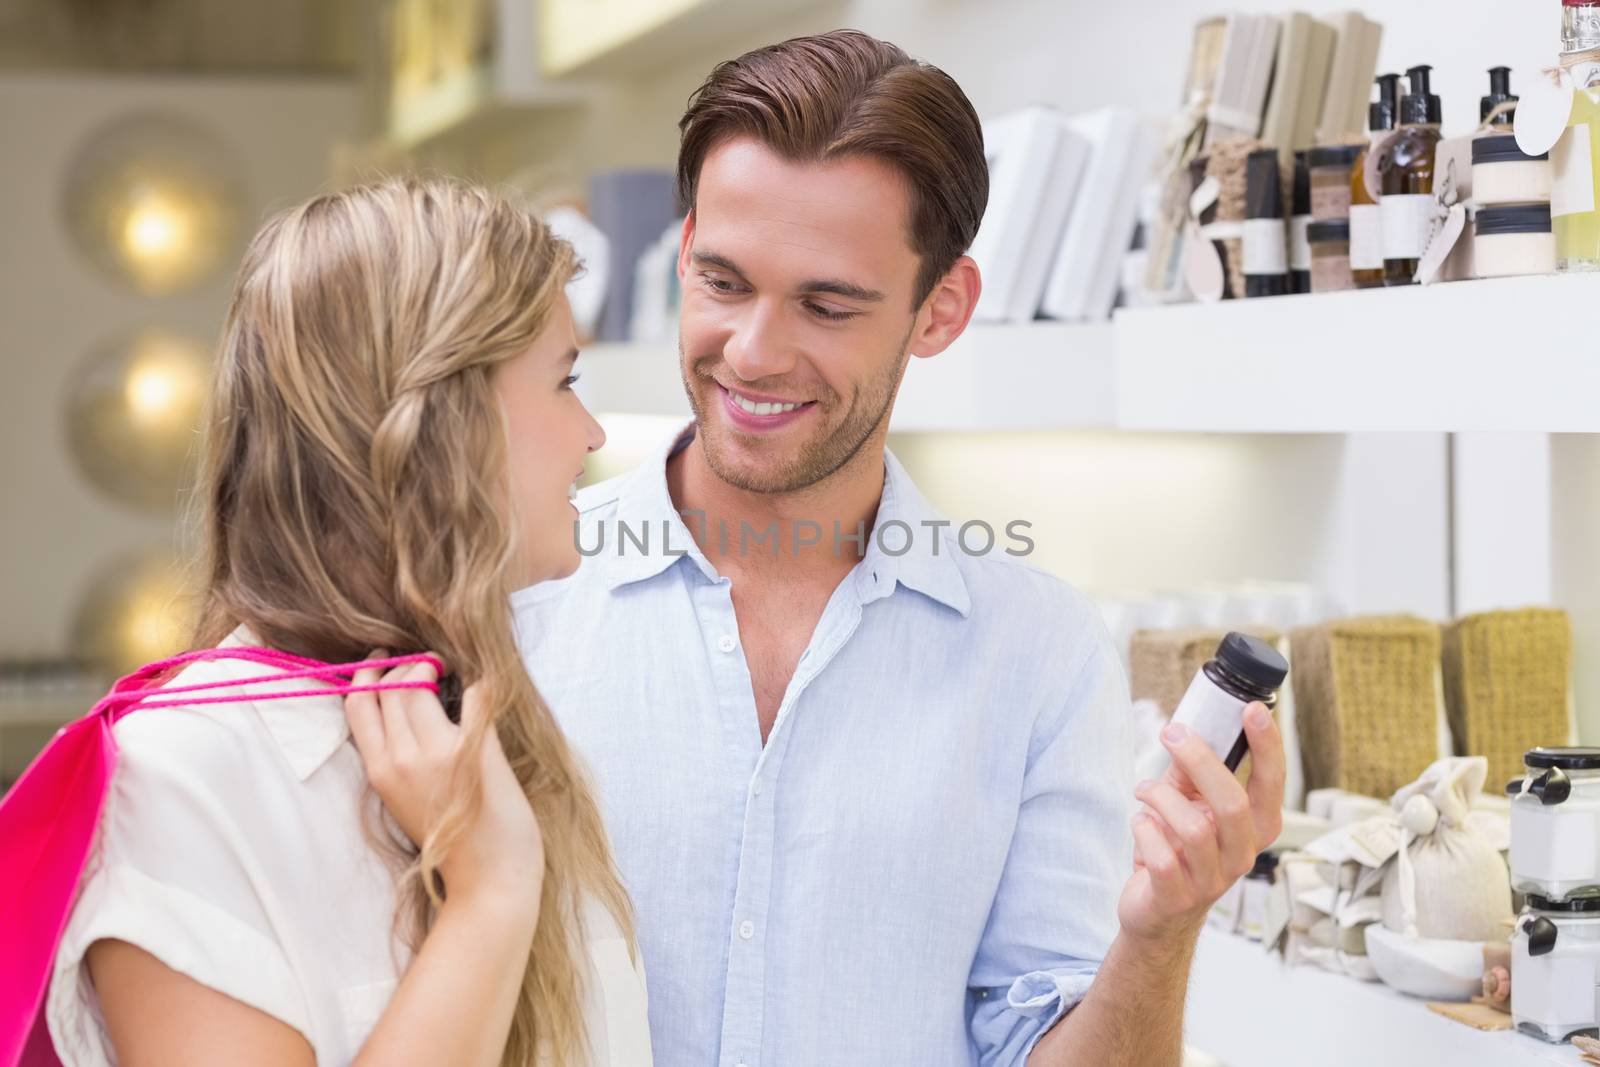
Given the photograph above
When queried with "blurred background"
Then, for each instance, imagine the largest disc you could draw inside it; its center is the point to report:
(1282, 464)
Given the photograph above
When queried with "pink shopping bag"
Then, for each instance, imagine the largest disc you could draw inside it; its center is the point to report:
(48, 819)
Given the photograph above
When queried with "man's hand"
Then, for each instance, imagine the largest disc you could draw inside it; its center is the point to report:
(1200, 831)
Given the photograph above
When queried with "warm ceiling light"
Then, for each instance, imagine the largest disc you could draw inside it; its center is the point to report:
(155, 228)
(155, 202)
(137, 610)
(133, 415)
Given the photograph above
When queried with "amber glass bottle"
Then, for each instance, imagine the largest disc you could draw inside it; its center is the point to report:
(1366, 231)
(1407, 203)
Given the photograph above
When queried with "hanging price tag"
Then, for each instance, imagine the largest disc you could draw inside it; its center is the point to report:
(1452, 186)
(1444, 241)
(1543, 113)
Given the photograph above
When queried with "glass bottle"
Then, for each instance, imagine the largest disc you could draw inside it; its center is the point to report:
(1366, 233)
(1407, 168)
(1575, 160)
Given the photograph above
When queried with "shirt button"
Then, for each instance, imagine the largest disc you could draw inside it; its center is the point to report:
(747, 929)
(727, 642)
(755, 787)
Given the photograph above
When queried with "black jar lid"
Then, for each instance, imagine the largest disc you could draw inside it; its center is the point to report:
(1328, 230)
(1253, 660)
(1334, 155)
(1517, 218)
(1502, 149)
(1265, 864)
(1568, 759)
(1576, 905)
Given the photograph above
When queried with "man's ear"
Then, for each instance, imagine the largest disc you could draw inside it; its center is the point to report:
(947, 310)
(685, 243)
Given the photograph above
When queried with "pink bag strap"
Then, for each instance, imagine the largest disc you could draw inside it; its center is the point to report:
(138, 688)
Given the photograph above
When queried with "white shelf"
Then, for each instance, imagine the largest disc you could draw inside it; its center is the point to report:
(1501, 354)
(1037, 376)
(469, 107)
(1509, 354)
(626, 39)
(1249, 1010)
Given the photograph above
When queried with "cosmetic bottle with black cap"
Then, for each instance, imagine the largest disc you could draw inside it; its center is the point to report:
(1366, 228)
(1245, 669)
(1499, 93)
(1266, 239)
(1406, 206)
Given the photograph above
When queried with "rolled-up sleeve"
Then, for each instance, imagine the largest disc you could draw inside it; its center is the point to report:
(173, 874)
(1054, 914)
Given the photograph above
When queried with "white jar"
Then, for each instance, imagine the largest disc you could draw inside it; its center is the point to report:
(1555, 963)
(1516, 239)
(1555, 823)
(1503, 174)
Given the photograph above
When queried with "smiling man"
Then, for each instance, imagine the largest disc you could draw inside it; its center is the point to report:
(870, 791)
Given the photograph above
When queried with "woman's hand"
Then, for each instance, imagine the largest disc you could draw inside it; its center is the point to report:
(409, 747)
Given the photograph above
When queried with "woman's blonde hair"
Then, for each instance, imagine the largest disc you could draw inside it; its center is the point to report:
(354, 494)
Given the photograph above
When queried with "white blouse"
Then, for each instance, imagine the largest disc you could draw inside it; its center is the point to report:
(232, 849)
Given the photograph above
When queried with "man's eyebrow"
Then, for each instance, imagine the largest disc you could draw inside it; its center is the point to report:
(711, 259)
(848, 290)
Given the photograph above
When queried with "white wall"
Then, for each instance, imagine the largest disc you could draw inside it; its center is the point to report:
(55, 530)
(1575, 563)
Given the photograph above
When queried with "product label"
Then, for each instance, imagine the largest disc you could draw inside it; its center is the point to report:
(1366, 237)
(1572, 172)
(1265, 246)
(1215, 716)
(1299, 243)
(1406, 220)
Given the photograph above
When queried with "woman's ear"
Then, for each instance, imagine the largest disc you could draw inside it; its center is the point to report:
(947, 310)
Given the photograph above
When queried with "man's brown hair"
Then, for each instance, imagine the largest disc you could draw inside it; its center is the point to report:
(844, 93)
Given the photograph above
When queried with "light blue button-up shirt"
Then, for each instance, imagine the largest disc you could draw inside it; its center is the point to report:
(921, 866)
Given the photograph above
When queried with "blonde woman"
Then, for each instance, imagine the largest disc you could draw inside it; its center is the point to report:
(390, 453)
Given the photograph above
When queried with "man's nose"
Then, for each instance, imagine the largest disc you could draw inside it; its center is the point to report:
(759, 347)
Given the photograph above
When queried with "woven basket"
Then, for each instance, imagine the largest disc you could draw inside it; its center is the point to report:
(1506, 685)
(1162, 663)
(1366, 702)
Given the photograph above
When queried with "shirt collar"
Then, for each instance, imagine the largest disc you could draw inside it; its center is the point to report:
(307, 730)
(645, 508)
(928, 563)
